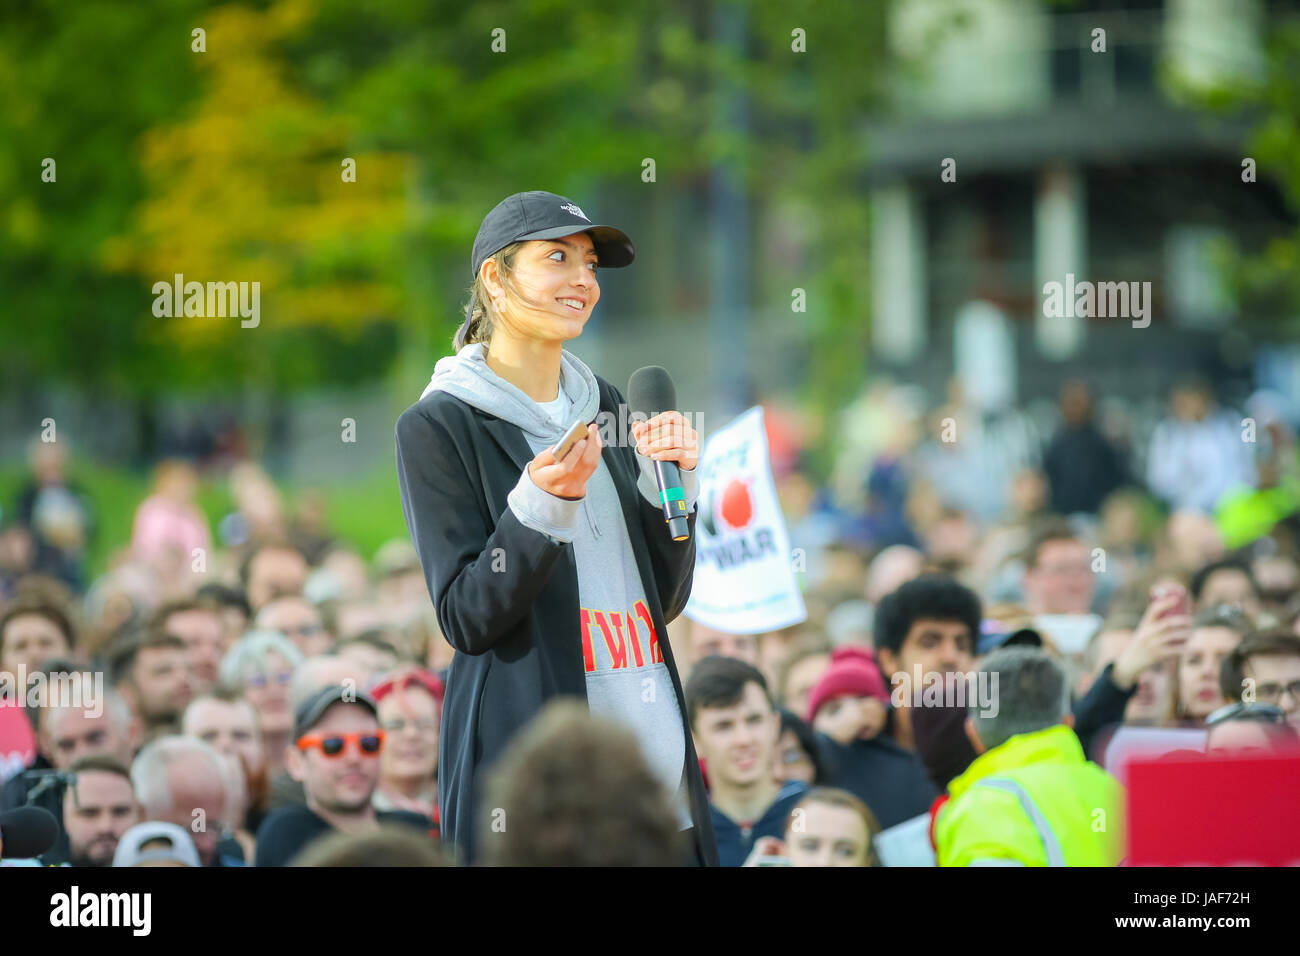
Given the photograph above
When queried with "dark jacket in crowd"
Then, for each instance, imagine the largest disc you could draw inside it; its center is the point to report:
(736, 838)
(287, 831)
(939, 733)
(513, 628)
(886, 777)
(1082, 468)
(1101, 708)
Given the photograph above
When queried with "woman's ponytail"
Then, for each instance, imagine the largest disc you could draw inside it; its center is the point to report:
(480, 316)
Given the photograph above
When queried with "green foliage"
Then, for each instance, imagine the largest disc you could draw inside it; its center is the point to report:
(1266, 279)
(225, 164)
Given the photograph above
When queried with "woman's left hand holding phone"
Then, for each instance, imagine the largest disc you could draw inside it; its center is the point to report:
(567, 478)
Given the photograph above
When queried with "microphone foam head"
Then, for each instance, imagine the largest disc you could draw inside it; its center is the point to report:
(27, 832)
(650, 391)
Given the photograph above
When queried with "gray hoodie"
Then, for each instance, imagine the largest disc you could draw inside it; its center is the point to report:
(627, 680)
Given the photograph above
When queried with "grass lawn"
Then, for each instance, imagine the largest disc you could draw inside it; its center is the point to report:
(365, 513)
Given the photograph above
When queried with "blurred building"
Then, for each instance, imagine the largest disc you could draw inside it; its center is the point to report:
(1068, 153)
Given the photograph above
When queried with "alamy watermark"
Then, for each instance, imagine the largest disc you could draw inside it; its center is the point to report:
(215, 300)
(956, 689)
(73, 689)
(617, 429)
(1102, 300)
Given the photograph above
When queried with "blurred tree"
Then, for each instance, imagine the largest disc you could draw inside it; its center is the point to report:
(250, 186)
(77, 85)
(225, 166)
(1276, 148)
(1266, 279)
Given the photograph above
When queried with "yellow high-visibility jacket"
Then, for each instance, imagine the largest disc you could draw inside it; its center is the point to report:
(1035, 800)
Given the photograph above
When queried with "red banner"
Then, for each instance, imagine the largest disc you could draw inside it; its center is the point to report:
(1189, 810)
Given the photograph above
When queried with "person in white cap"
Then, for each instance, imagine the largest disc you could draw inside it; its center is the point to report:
(156, 843)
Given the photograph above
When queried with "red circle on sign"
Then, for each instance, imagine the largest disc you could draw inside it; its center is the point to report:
(737, 507)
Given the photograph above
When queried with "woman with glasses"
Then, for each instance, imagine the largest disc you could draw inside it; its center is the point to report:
(410, 711)
(1265, 668)
(260, 666)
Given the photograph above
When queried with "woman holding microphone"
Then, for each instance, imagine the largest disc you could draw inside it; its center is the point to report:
(549, 577)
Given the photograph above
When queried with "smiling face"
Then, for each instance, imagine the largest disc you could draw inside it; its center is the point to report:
(738, 741)
(556, 284)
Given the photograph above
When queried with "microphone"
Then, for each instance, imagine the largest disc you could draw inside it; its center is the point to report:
(650, 391)
(27, 832)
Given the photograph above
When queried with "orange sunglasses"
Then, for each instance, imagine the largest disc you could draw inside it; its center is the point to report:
(332, 745)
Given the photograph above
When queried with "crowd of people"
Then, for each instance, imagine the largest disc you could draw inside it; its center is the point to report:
(256, 692)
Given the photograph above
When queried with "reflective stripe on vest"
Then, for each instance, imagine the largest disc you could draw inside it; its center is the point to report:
(1051, 846)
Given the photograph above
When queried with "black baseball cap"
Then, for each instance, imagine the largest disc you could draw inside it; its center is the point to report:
(537, 214)
(994, 634)
(314, 707)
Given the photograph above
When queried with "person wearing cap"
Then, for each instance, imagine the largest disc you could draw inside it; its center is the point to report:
(186, 781)
(849, 709)
(850, 701)
(550, 578)
(335, 754)
(156, 843)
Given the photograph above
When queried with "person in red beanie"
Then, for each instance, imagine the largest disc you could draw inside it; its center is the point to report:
(850, 702)
(849, 710)
(410, 712)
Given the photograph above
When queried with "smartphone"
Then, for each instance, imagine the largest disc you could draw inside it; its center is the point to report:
(1161, 590)
(574, 434)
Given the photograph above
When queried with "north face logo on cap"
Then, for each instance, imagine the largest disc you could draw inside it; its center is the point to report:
(574, 210)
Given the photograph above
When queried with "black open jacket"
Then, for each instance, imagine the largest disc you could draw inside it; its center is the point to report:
(516, 630)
